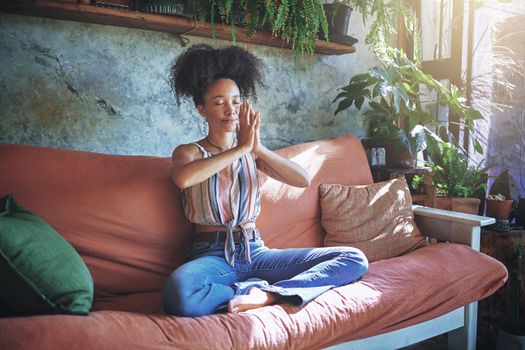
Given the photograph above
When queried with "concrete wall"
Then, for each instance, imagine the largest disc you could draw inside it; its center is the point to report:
(105, 89)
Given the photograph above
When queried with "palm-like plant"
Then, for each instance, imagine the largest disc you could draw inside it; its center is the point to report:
(392, 93)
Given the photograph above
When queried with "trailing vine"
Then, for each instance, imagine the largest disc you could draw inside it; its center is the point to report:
(299, 22)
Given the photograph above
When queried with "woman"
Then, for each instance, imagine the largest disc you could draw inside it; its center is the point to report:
(228, 265)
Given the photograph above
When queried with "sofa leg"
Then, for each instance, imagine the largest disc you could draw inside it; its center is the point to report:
(464, 338)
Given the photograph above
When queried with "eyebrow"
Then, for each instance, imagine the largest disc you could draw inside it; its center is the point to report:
(221, 96)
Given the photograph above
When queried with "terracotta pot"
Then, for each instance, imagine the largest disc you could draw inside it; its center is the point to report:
(500, 210)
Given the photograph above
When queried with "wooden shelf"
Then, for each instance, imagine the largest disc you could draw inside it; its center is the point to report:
(161, 23)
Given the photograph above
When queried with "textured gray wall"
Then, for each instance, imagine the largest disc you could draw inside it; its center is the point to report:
(105, 89)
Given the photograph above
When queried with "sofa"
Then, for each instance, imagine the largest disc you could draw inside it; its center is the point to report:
(122, 215)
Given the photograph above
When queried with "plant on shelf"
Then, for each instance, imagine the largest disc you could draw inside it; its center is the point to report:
(458, 184)
(300, 22)
(386, 16)
(391, 95)
(297, 22)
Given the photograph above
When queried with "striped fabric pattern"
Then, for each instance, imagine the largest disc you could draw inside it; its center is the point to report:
(230, 197)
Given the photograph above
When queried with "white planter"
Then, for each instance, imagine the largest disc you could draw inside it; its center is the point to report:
(507, 341)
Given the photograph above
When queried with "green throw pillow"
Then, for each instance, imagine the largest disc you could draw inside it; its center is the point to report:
(40, 272)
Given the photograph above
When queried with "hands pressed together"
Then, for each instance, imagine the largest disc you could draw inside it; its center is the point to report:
(248, 128)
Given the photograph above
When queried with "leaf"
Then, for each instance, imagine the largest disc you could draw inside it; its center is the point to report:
(340, 95)
(359, 102)
(477, 146)
(344, 104)
(361, 77)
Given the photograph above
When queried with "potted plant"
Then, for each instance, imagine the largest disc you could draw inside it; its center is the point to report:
(512, 336)
(391, 93)
(338, 18)
(455, 180)
(297, 22)
(300, 22)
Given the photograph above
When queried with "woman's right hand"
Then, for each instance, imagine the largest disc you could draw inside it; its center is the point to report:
(246, 127)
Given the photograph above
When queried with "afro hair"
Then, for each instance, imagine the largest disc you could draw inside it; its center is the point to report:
(202, 64)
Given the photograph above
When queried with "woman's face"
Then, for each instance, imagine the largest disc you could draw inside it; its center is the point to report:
(221, 105)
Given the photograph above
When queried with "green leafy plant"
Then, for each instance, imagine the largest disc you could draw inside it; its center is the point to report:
(386, 16)
(297, 22)
(391, 93)
(453, 176)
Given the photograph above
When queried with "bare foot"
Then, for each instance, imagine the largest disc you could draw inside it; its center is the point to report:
(254, 299)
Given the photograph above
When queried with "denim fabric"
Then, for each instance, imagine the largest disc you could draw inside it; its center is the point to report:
(206, 283)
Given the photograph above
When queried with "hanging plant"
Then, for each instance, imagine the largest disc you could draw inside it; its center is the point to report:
(295, 21)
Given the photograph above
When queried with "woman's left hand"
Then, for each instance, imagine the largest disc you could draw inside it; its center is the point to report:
(255, 119)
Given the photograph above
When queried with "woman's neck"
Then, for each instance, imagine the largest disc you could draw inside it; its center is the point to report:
(221, 142)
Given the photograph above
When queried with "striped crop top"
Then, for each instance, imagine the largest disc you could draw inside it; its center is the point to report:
(230, 197)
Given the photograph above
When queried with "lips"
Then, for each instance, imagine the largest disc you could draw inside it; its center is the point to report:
(230, 120)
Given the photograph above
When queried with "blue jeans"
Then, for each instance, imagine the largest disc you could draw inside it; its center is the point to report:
(206, 283)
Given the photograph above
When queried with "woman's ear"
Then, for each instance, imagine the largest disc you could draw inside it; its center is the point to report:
(200, 109)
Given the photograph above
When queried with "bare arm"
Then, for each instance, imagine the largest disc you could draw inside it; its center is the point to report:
(188, 168)
(282, 169)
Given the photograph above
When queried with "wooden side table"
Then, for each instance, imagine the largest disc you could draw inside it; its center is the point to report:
(492, 311)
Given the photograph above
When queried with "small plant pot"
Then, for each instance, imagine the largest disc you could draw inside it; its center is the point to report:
(338, 17)
(508, 341)
(500, 210)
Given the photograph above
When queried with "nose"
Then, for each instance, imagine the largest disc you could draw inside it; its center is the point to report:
(229, 108)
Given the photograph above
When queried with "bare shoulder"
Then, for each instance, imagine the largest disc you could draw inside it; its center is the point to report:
(186, 153)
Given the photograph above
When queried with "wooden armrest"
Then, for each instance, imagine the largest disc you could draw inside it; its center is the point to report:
(455, 216)
(451, 226)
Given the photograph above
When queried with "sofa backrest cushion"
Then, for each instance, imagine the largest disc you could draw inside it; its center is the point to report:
(375, 218)
(290, 216)
(121, 213)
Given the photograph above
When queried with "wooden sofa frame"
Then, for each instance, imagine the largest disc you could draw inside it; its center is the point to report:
(460, 324)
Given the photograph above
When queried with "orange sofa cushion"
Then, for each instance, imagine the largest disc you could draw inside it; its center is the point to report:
(290, 216)
(394, 293)
(375, 218)
(123, 213)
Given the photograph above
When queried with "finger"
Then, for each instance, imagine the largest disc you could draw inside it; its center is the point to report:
(248, 108)
(252, 114)
(242, 112)
(257, 121)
